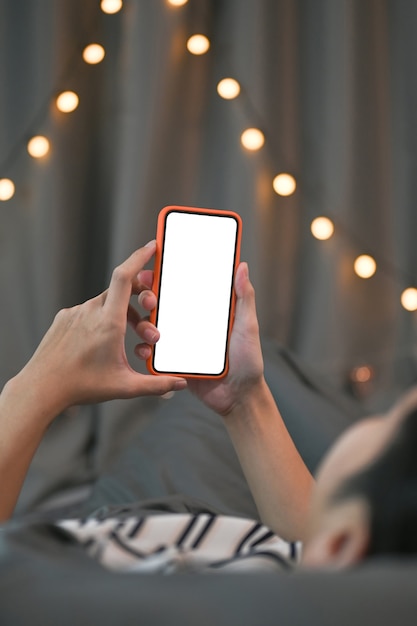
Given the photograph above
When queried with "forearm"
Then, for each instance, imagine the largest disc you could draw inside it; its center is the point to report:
(26, 410)
(277, 476)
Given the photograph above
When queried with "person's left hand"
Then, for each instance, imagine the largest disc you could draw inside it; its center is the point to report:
(245, 375)
(82, 357)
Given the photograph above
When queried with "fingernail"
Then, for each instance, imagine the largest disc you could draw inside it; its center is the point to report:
(150, 243)
(180, 384)
(245, 270)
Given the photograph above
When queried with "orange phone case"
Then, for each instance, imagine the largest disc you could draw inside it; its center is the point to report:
(157, 278)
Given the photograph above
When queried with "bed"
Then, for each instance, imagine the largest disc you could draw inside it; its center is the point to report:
(181, 454)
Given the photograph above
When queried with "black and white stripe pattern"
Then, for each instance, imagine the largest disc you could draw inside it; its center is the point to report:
(176, 542)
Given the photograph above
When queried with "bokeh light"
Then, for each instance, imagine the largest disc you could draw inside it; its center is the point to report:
(111, 6)
(365, 266)
(409, 299)
(198, 44)
(284, 184)
(67, 101)
(177, 3)
(7, 189)
(322, 228)
(362, 374)
(38, 146)
(252, 139)
(228, 88)
(93, 53)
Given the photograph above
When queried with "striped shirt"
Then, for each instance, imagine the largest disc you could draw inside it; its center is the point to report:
(177, 542)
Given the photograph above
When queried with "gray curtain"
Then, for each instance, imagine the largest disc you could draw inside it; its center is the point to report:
(333, 85)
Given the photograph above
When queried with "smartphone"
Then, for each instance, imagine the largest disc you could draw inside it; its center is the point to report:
(196, 258)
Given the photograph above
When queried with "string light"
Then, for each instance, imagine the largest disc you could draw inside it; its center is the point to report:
(111, 6)
(322, 228)
(365, 266)
(362, 374)
(198, 44)
(38, 146)
(361, 379)
(284, 184)
(228, 88)
(409, 299)
(67, 101)
(252, 139)
(7, 189)
(93, 53)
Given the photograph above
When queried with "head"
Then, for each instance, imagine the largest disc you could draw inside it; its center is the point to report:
(365, 499)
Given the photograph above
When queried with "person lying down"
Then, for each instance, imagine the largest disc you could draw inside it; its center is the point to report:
(362, 503)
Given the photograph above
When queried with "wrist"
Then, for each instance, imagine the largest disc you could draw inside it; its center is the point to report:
(32, 399)
(250, 404)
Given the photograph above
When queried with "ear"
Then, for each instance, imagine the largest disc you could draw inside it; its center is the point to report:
(349, 546)
(343, 540)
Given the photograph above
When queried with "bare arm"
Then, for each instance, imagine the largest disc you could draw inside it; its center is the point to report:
(277, 476)
(80, 360)
(25, 413)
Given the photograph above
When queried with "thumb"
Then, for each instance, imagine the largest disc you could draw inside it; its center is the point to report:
(147, 385)
(245, 316)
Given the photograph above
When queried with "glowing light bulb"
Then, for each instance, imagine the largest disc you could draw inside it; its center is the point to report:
(252, 139)
(362, 374)
(38, 146)
(93, 54)
(198, 44)
(365, 266)
(228, 88)
(409, 299)
(67, 101)
(111, 6)
(177, 3)
(322, 228)
(284, 184)
(6, 189)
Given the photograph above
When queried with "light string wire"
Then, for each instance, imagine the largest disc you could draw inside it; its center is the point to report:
(275, 155)
(401, 276)
(252, 114)
(270, 147)
(385, 265)
(41, 114)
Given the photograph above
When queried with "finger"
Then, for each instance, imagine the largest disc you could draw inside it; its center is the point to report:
(155, 385)
(123, 277)
(142, 327)
(147, 300)
(147, 332)
(133, 317)
(145, 278)
(143, 351)
(242, 281)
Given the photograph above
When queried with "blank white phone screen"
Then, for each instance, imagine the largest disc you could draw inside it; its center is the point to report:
(195, 293)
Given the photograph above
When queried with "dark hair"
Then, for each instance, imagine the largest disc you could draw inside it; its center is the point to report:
(389, 485)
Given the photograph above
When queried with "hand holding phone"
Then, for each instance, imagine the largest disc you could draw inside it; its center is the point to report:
(197, 254)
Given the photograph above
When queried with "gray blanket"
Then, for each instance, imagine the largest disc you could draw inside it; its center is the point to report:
(181, 459)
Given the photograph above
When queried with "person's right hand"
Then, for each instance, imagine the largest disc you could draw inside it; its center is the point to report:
(82, 357)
